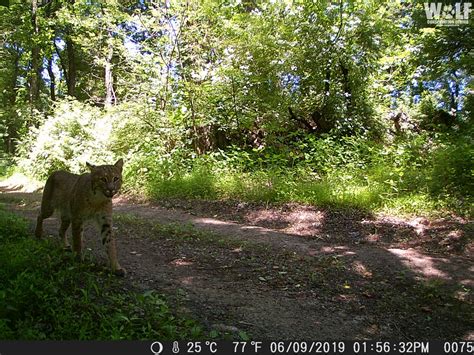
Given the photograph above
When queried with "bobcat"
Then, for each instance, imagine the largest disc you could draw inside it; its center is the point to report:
(80, 198)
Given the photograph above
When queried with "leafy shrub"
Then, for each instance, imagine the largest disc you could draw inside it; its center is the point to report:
(6, 165)
(452, 172)
(75, 133)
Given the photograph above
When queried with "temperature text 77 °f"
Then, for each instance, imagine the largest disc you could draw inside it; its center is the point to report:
(240, 346)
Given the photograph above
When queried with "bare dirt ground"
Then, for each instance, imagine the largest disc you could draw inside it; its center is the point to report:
(292, 271)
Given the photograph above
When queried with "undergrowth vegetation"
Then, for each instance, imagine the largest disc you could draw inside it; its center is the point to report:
(44, 294)
(426, 173)
(419, 175)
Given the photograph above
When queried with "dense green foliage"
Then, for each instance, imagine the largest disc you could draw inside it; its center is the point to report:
(44, 294)
(412, 175)
(357, 103)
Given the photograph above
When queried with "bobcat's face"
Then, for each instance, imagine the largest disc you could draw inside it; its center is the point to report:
(106, 178)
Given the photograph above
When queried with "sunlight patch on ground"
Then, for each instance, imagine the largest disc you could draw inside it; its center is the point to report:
(181, 262)
(21, 183)
(328, 249)
(420, 263)
(419, 225)
(469, 335)
(211, 221)
(302, 220)
(467, 282)
(339, 250)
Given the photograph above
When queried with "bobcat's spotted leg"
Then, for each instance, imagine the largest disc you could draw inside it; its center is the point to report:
(108, 240)
(39, 221)
(77, 238)
(112, 251)
(65, 222)
(46, 211)
(47, 208)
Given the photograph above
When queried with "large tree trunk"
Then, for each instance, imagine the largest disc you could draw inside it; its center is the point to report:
(308, 125)
(327, 83)
(71, 72)
(68, 65)
(454, 94)
(71, 62)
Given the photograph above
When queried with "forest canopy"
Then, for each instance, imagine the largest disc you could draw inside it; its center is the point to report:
(355, 103)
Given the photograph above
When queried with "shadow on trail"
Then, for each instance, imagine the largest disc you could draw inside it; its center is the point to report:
(451, 235)
(377, 286)
(382, 269)
(405, 302)
(335, 284)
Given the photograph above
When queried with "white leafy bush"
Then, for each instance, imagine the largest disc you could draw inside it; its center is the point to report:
(74, 133)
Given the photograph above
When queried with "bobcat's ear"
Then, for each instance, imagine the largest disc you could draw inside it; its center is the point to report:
(119, 164)
(90, 166)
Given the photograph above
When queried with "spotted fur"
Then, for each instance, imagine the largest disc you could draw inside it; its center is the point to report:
(80, 198)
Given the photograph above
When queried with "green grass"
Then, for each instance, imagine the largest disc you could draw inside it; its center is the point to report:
(418, 175)
(45, 294)
(265, 187)
(341, 189)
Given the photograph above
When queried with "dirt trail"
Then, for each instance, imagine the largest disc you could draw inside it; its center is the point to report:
(294, 273)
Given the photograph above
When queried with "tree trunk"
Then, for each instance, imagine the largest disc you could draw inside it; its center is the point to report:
(309, 127)
(454, 94)
(71, 72)
(14, 78)
(109, 78)
(35, 59)
(12, 126)
(52, 79)
(68, 66)
(347, 88)
(327, 82)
